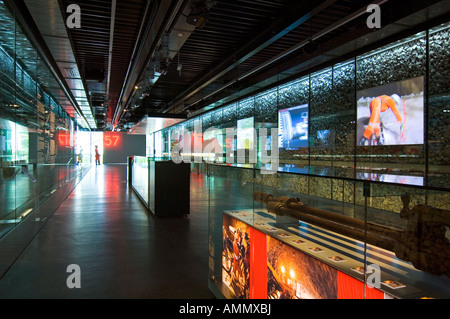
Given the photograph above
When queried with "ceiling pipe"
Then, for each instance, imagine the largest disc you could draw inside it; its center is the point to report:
(111, 44)
(225, 66)
(316, 36)
(132, 56)
(163, 6)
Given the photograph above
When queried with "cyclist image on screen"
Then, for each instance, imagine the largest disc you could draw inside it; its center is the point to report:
(373, 132)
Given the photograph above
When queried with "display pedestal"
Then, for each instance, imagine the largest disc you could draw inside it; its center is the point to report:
(169, 188)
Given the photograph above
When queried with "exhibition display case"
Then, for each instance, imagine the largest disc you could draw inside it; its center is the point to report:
(336, 238)
(162, 185)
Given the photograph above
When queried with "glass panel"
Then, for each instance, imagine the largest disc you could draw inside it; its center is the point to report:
(39, 152)
(439, 107)
(390, 108)
(293, 120)
(140, 178)
(321, 118)
(411, 225)
(266, 128)
(246, 108)
(339, 135)
(229, 114)
(337, 207)
(8, 173)
(308, 244)
(230, 194)
(294, 93)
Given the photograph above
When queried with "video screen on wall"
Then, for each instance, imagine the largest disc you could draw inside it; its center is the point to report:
(245, 136)
(391, 114)
(293, 127)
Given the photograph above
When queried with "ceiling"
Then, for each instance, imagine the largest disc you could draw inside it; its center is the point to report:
(141, 57)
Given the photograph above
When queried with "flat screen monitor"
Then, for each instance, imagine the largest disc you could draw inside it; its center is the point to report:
(293, 127)
(391, 114)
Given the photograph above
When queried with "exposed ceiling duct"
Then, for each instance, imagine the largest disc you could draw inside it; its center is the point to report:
(48, 18)
(138, 57)
(160, 19)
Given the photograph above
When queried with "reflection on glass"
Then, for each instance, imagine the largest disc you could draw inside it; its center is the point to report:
(245, 133)
(38, 146)
(14, 144)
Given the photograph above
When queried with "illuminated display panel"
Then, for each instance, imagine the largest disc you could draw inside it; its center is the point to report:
(112, 140)
(256, 265)
(293, 127)
(236, 243)
(391, 114)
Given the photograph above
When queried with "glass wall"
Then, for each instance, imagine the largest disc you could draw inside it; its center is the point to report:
(39, 150)
(380, 116)
(348, 196)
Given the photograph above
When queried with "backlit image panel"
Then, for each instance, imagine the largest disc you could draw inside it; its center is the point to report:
(293, 128)
(291, 274)
(236, 256)
(391, 114)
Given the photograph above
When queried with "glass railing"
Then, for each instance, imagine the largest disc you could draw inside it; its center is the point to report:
(25, 186)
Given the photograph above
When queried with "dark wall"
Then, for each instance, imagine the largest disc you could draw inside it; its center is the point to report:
(117, 146)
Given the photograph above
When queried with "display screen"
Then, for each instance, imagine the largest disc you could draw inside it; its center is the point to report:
(112, 140)
(293, 127)
(245, 136)
(391, 114)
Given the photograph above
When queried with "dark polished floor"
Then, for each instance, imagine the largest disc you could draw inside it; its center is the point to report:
(122, 251)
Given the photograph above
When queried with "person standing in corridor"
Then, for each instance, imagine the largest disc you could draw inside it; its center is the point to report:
(97, 156)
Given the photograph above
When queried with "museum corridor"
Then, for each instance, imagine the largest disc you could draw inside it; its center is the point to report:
(121, 249)
(224, 150)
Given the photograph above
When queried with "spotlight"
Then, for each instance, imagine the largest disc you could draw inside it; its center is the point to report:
(196, 20)
(200, 13)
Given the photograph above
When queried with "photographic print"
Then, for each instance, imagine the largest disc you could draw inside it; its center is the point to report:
(236, 256)
(292, 274)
